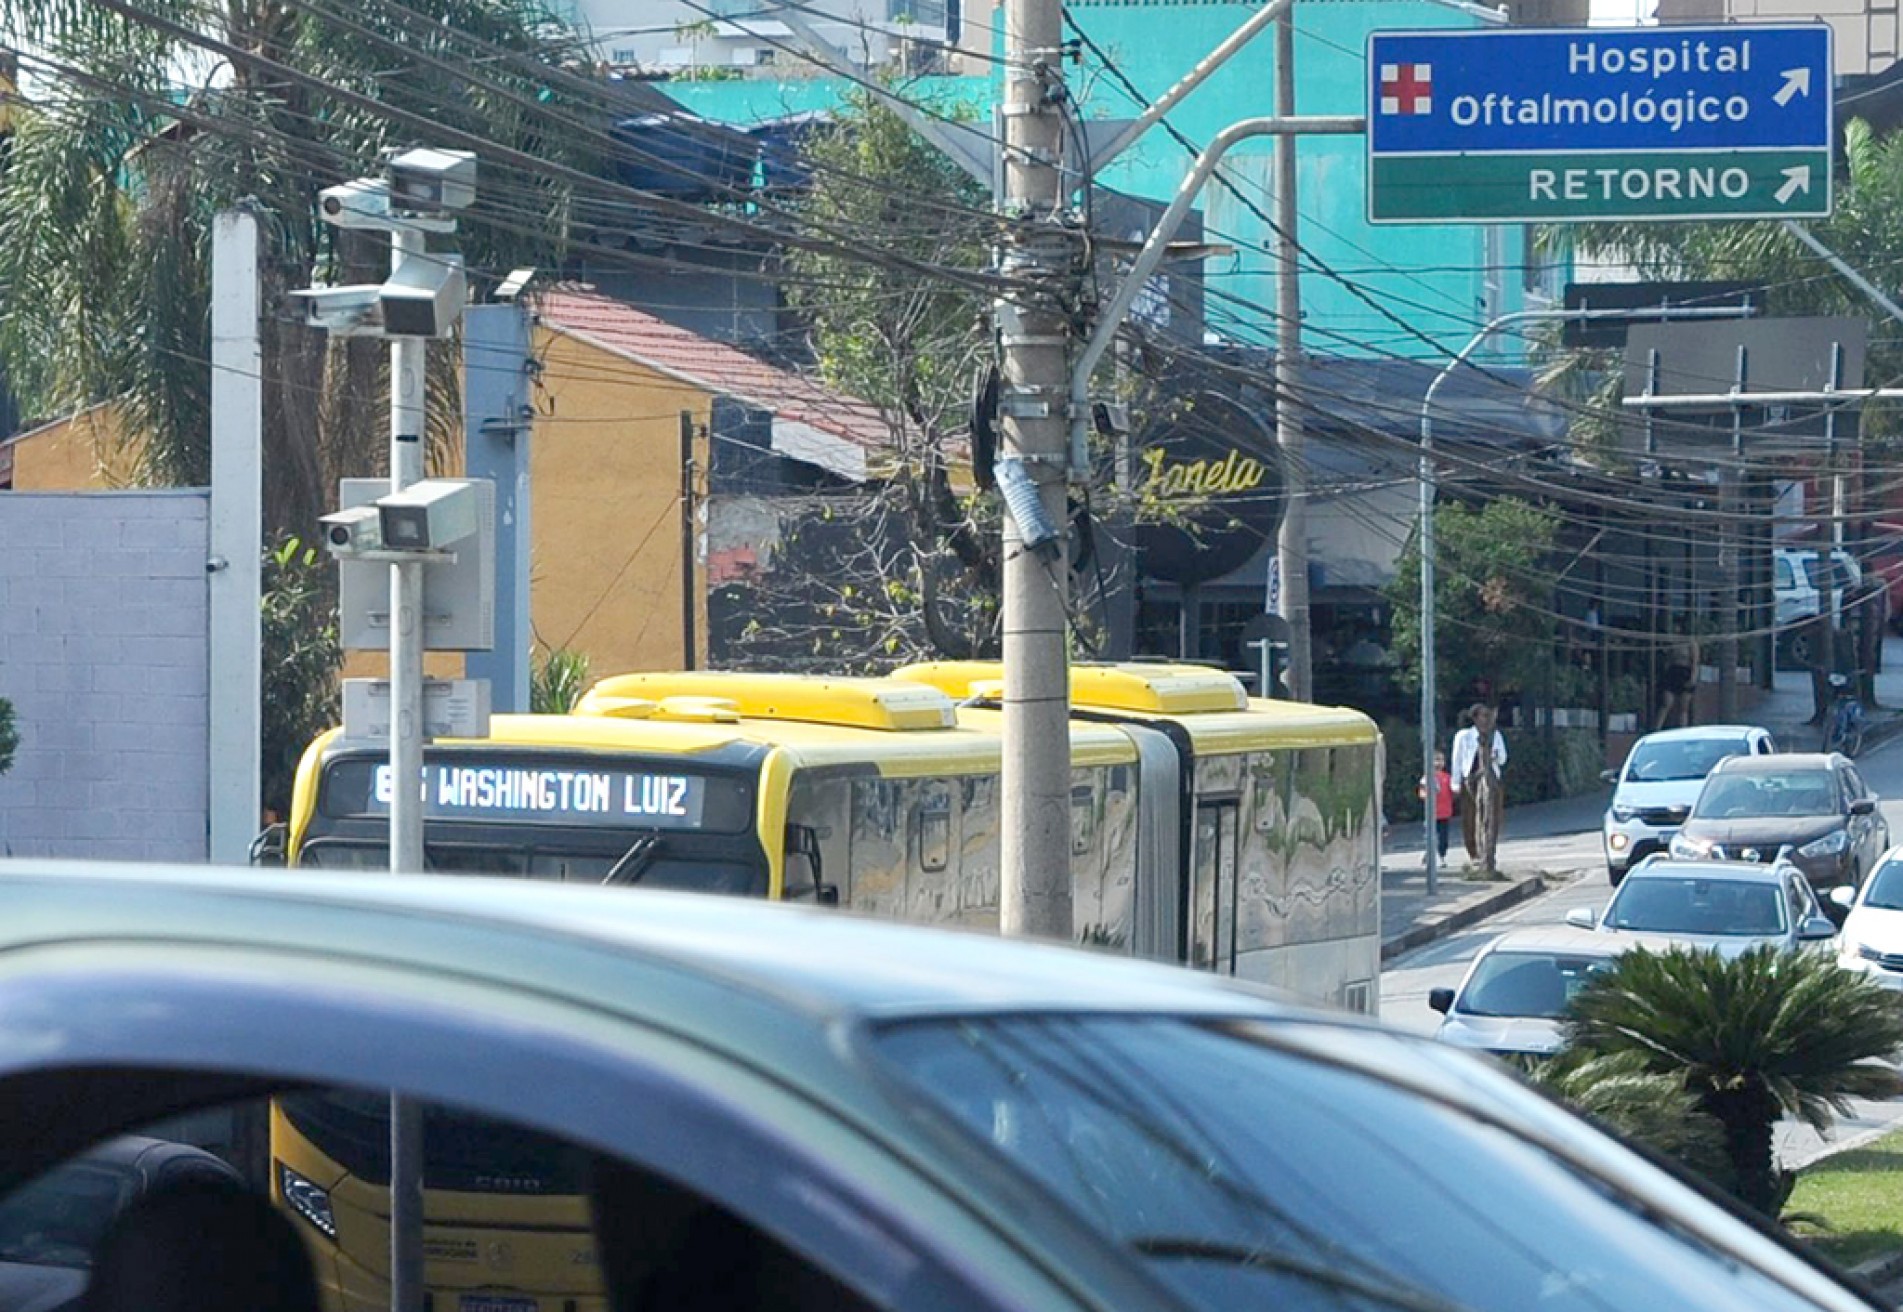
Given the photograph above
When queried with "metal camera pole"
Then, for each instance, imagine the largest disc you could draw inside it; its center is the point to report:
(409, 357)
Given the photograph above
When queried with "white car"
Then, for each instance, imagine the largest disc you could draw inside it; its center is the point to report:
(1513, 999)
(1654, 790)
(1730, 906)
(1871, 941)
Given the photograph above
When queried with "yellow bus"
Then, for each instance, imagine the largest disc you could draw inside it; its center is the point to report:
(1206, 828)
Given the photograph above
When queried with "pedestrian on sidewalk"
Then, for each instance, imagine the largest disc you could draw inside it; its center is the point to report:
(1480, 754)
(1678, 684)
(1443, 801)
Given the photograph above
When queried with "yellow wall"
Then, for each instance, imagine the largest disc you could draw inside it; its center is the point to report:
(81, 453)
(605, 473)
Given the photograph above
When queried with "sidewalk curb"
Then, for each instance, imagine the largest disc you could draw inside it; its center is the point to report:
(1474, 907)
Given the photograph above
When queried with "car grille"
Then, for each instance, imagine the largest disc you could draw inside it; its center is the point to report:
(1762, 855)
(1663, 815)
(1891, 961)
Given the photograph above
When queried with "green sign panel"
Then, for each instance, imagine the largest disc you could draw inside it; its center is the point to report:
(1557, 187)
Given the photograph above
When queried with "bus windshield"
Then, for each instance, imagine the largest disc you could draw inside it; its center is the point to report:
(526, 862)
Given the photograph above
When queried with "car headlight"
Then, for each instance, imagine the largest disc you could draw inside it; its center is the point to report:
(1829, 845)
(307, 1200)
(1690, 849)
(1621, 814)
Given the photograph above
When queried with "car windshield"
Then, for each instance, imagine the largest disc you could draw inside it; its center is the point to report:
(1671, 904)
(1243, 1174)
(1752, 796)
(1885, 892)
(1534, 984)
(1686, 758)
(59, 1218)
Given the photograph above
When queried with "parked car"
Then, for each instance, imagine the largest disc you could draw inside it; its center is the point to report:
(1654, 789)
(50, 1227)
(773, 1106)
(1871, 940)
(1514, 996)
(1816, 805)
(1801, 589)
(1732, 906)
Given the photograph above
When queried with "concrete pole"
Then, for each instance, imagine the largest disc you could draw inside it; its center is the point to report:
(1034, 343)
(237, 517)
(1291, 547)
(408, 360)
(496, 440)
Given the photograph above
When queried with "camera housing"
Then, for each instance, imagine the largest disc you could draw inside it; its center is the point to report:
(355, 307)
(426, 180)
(423, 297)
(359, 203)
(430, 515)
(359, 528)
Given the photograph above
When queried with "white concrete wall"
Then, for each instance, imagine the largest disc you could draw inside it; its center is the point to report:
(103, 653)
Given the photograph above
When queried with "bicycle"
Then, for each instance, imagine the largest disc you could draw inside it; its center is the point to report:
(1843, 724)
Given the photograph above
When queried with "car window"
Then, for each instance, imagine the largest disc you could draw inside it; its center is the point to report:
(1785, 579)
(1697, 904)
(1537, 984)
(519, 1220)
(1655, 761)
(1801, 906)
(1854, 786)
(1756, 796)
(1247, 1176)
(1886, 887)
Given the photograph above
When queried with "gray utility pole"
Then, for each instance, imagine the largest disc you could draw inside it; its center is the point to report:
(237, 516)
(1291, 537)
(496, 447)
(1034, 345)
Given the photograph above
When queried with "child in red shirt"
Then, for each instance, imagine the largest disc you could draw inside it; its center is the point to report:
(1443, 800)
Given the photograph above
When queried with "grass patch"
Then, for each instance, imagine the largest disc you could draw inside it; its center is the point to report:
(1858, 1197)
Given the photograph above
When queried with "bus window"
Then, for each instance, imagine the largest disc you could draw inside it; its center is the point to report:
(1213, 888)
(663, 871)
(934, 828)
(805, 870)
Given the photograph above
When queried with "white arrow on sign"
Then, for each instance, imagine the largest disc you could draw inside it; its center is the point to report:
(1796, 83)
(1795, 180)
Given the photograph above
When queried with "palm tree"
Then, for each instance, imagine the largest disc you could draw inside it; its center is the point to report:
(1647, 1106)
(145, 120)
(1754, 1038)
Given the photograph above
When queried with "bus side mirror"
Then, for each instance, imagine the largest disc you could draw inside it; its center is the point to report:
(828, 895)
(267, 849)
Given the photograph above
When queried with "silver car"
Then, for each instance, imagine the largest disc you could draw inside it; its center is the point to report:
(1513, 998)
(1732, 906)
(1654, 790)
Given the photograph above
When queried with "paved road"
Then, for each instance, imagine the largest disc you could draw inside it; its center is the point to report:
(1407, 979)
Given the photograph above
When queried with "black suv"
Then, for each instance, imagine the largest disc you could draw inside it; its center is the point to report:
(1815, 804)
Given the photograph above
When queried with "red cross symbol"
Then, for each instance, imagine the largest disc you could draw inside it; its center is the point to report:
(1407, 88)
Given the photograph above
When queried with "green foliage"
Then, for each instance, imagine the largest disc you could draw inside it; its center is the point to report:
(1493, 598)
(1761, 1036)
(1402, 739)
(107, 205)
(907, 565)
(301, 659)
(1651, 1107)
(558, 681)
(9, 735)
(1540, 768)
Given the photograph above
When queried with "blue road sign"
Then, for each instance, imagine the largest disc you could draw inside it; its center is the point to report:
(1720, 121)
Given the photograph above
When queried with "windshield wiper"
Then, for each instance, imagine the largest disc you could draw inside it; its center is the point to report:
(1213, 1250)
(634, 862)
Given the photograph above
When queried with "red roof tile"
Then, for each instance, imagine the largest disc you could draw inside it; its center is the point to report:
(641, 337)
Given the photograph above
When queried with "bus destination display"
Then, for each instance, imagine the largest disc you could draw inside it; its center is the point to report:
(547, 792)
